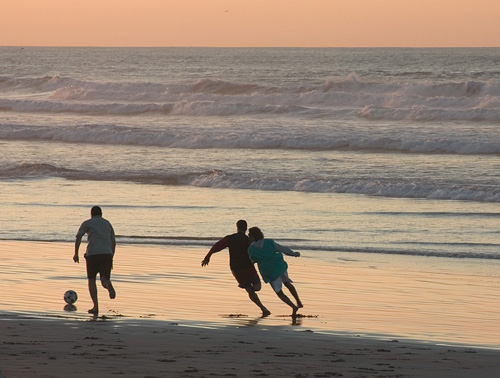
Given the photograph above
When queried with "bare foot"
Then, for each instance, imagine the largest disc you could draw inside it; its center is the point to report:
(112, 292)
(294, 313)
(93, 311)
(299, 304)
(266, 313)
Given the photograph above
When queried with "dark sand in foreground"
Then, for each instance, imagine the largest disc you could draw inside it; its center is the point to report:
(34, 347)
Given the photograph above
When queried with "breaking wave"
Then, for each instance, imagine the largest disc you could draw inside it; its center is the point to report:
(263, 137)
(420, 101)
(218, 179)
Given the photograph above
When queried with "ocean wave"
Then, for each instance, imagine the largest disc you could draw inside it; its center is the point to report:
(35, 170)
(476, 251)
(260, 137)
(417, 252)
(424, 113)
(182, 107)
(394, 100)
(437, 214)
(219, 179)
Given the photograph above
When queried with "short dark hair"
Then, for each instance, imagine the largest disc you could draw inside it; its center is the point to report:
(255, 233)
(96, 210)
(241, 225)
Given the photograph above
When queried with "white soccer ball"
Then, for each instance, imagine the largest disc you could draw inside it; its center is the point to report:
(70, 297)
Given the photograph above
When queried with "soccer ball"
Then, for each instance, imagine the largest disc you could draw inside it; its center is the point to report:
(70, 297)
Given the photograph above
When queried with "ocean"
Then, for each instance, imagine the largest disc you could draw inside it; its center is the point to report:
(374, 158)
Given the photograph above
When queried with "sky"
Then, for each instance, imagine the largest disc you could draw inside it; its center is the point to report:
(251, 23)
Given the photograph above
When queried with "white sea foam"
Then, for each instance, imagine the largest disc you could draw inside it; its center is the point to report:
(423, 100)
(401, 188)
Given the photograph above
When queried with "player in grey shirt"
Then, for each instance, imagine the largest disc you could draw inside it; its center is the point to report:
(100, 252)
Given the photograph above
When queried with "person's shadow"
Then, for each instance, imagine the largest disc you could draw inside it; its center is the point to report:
(296, 320)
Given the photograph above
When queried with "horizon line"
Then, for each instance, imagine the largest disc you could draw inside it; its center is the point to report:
(265, 47)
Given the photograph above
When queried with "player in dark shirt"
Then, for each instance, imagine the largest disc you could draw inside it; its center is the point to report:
(239, 262)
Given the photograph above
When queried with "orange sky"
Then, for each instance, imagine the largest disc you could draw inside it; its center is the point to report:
(304, 23)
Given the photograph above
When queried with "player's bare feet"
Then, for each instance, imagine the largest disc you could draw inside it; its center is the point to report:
(93, 311)
(294, 313)
(300, 305)
(266, 313)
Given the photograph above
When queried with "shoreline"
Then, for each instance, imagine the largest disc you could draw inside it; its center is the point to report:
(229, 322)
(168, 284)
(57, 348)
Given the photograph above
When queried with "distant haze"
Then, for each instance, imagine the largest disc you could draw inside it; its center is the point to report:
(247, 23)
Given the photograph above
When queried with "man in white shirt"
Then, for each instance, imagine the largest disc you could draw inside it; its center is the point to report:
(100, 252)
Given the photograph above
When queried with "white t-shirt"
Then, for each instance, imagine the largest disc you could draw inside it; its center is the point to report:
(101, 235)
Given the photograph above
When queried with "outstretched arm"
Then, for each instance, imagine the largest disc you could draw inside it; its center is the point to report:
(217, 247)
(285, 250)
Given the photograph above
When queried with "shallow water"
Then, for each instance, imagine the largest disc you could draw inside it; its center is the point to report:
(53, 209)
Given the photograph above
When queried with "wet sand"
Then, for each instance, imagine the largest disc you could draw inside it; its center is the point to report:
(172, 317)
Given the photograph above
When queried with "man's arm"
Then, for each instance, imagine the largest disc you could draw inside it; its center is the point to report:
(78, 241)
(285, 250)
(113, 240)
(217, 247)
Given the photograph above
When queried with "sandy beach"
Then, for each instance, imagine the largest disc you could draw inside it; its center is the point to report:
(173, 318)
(34, 347)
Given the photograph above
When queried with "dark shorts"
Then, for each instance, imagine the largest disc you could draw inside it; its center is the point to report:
(246, 276)
(101, 264)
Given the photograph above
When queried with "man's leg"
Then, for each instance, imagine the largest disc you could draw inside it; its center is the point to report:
(105, 274)
(287, 300)
(255, 299)
(106, 283)
(294, 293)
(93, 295)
